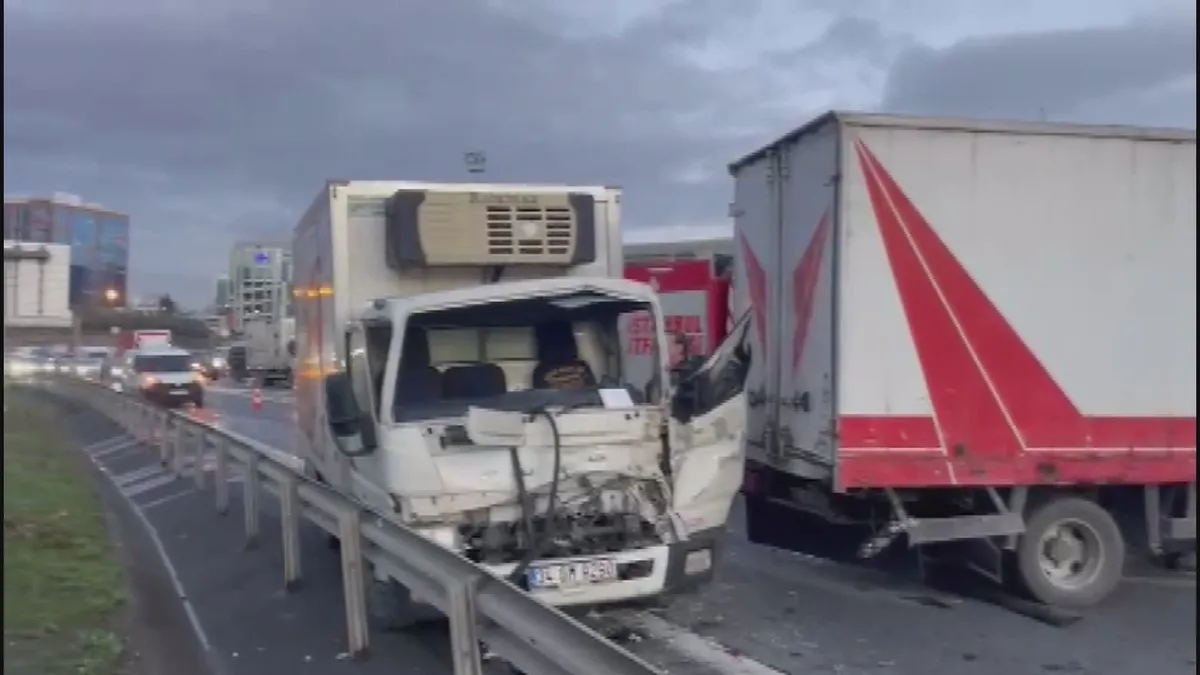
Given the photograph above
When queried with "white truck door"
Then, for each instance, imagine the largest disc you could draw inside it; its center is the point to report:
(804, 313)
(756, 232)
(707, 428)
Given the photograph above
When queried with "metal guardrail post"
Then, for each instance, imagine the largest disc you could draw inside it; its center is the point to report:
(162, 426)
(221, 476)
(251, 491)
(353, 586)
(178, 447)
(201, 443)
(289, 504)
(464, 639)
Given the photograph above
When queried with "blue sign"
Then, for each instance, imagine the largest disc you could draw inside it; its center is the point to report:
(261, 258)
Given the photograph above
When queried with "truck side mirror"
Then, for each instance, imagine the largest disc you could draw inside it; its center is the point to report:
(341, 407)
(346, 419)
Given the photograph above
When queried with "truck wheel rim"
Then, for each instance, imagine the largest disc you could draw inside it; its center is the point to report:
(1070, 554)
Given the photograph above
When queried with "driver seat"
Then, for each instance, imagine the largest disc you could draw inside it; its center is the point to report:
(418, 381)
(559, 365)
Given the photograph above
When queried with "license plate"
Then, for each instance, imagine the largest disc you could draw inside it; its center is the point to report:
(575, 573)
(179, 392)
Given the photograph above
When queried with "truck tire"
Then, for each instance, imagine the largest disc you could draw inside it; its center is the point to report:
(391, 607)
(1072, 554)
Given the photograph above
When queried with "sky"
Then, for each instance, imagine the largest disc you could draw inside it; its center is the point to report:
(210, 121)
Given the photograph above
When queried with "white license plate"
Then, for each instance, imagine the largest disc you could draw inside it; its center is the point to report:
(179, 392)
(575, 573)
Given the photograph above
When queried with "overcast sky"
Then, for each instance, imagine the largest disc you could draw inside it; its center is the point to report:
(212, 120)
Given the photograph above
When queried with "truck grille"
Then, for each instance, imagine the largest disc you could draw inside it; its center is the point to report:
(530, 230)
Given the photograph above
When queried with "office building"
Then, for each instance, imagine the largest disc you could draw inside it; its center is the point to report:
(260, 278)
(36, 285)
(98, 239)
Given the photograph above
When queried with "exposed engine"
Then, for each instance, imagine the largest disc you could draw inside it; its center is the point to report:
(621, 515)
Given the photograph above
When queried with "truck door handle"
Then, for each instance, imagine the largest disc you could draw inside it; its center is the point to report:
(800, 401)
(756, 398)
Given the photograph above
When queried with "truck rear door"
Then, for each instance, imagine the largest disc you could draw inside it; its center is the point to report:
(756, 230)
(805, 309)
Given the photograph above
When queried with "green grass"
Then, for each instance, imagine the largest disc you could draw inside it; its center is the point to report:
(63, 586)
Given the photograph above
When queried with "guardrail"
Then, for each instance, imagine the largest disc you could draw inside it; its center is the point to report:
(534, 637)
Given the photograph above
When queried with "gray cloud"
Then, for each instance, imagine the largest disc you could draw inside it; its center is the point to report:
(202, 128)
(215, 121)
(1060, 74)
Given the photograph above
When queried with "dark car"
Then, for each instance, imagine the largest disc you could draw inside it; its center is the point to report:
(208, 365)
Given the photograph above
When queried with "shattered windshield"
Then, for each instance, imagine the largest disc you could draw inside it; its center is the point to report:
(521, 355)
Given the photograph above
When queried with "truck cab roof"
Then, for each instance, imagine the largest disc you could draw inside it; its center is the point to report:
(623, 289)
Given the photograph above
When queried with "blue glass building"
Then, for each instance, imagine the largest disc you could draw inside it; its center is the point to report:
(99, 240)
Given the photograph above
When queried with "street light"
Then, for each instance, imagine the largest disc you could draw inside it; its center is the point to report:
(111, 295)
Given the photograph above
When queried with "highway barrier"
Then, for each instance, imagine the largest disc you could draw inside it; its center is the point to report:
(533, 637)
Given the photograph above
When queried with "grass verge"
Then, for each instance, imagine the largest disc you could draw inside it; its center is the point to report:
(63, 585)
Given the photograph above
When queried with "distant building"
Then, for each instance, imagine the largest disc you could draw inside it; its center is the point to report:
(98, 239)
(37, 285)
(260, 281)
(221, 299)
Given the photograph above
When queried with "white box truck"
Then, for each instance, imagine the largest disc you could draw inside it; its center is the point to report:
(459, 366)
(270, 349)
(975, 332)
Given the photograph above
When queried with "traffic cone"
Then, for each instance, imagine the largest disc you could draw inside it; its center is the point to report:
(256, 399)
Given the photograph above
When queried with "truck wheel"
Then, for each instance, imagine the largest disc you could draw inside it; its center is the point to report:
(392, 608)
(1072, 554)
(764, 520)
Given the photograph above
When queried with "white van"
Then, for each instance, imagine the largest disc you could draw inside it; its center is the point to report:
(162, 375)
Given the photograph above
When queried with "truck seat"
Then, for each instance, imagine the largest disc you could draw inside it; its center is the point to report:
(559, 365)
(418, 381)
(476, 380)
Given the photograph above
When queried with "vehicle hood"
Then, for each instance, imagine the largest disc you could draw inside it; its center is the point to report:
(592, 426)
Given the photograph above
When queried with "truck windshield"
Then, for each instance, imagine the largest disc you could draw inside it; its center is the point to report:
(163, 363)
(521, 355)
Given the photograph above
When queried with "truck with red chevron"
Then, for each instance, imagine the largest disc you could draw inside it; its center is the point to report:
(976, 337)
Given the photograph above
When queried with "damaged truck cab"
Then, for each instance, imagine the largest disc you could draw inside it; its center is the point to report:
(460, 367)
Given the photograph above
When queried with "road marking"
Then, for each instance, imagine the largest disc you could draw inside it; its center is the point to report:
(188, 608)
(154, 482)
(702, 650)
(167, 499)
(137, 475)
(101, 446)
(124, 446)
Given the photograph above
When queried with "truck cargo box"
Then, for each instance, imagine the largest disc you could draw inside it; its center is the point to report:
(947, 303)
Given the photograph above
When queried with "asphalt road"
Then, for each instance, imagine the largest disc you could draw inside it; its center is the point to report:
(768, 612)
